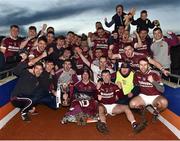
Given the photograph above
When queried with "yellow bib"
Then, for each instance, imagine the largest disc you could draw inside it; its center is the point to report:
(126, 82)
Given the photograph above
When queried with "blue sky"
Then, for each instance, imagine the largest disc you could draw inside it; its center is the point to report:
(80, 15)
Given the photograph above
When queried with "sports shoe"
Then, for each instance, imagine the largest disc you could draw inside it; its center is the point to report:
(25, 117)
(139, 127)
(34, 113)
(155, 116)
(102, 127)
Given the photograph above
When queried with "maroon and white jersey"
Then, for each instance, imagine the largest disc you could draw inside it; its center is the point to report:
(134, 60)
(110, 93)
(30, 44)
(35, 52)
(101, 43)
(117, 48)
(123, 44)
(86, 106)
(146, 87)
(106, 34)
(12, 46)
(79, 65)
(88, 89)
(144, 49)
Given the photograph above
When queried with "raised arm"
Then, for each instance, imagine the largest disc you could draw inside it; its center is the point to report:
(24, 43)
(139, 43)
(79, 51)
(109, 24)
(34, 60)
(41, 33)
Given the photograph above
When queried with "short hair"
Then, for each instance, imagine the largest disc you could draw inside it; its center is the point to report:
(143, 29)
(114, 31)
(128, 44)
(105, 71)
(157, 28)
(144, 11)
(70, 32)
(49, 60)
(103, 57)
(61, 37)
(143, 59)
(99, 28)
(98, 48)
(32, 28)
(87, 71)
(68, 49)
(50, 27)
(98, 22)
(84, 37)
(38, 64)
(42, 38)
(15, 26)
(67, 60)
(121, 26)
(120, 5)
(51, 32)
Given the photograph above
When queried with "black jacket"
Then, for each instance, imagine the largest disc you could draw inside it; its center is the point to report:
(143, 24)
(117, 20)
(27, 82)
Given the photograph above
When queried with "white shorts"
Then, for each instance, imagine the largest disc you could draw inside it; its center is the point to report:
(109, 108)
(148, 99)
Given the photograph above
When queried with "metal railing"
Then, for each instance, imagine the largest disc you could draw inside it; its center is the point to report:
(6, 73)
(176, 77)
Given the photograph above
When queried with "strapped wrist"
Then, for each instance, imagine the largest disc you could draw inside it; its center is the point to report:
(162, 69)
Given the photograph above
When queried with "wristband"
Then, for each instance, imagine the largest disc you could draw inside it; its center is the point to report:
(162, 68)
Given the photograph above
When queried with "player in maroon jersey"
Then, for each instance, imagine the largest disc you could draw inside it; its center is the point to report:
(84, 95)
(108, 94)
(151, 88)
(69, 39)
(133, 58)
(121, 30)
(10, 46)
(28, 43)
(36, 51)
(99, 25)
(86, 86)
(101, 41)
(144, 46)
